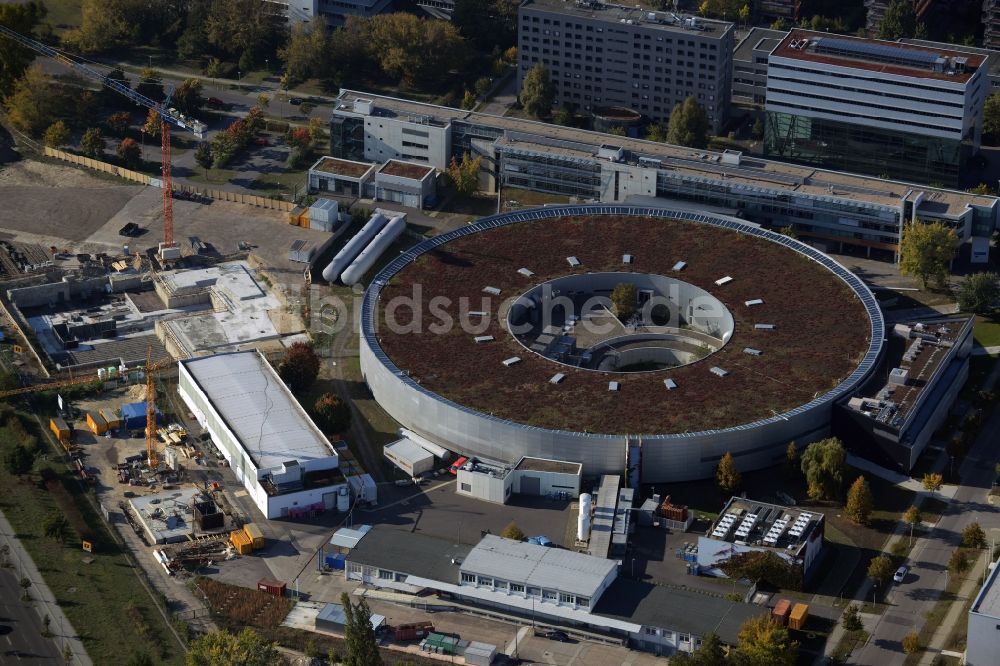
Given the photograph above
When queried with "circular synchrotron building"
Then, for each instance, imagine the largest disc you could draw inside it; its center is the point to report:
(600, 334)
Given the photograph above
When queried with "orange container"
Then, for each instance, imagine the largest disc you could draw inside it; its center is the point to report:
(781, 611)
(800, 613)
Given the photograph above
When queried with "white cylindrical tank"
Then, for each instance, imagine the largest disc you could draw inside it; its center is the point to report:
(370, 254)
(353, 247)
(586, 500)
(583, 527)
(343, 499)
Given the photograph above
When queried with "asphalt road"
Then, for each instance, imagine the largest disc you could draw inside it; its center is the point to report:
(926, 581)
(21, 639)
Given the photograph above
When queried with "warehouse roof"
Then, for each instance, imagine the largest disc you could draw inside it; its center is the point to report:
(542, 566)
(678, 610)
(411, 553)
(259, 409)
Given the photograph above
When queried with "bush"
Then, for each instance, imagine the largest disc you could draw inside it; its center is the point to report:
(512, 531)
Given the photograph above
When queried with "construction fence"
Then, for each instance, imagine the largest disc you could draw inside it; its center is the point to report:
(136, 177)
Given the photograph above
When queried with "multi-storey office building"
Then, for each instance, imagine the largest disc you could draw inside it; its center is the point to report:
(991, 24)
(601, 55)
(867, 106)
(768, 11)
(750, 65)
(334, 11)
(841, 211)
(992, 57)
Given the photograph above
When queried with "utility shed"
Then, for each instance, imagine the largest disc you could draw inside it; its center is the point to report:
(332, 618)
(409, 456)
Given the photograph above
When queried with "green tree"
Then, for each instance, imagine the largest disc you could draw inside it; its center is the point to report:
(727, 477)
(57, 135)
(880, 569)
(299, 367)
(792, 459)
(859, 501)
(483, 85)
(248, 648)
(926, 251)
(537, 91)
(203, 156)
(779, 24)
(991, 117)
(92, 143)
(150, 84)
(851, 619)
(744, 14)
(932, 481)
(36, 102)
(246, 30)
(263, 100)
(655, 132)
(360, 644)
(464, 175)
(14, 58)
(468, 100)
(979, 292)
(129, 152)
(973, 536)
(764, 642)
(981, 189)
(415, 51)
(912, 518)
(187, 97)
(112, 25)
(757, 131)
(911, 643)
(710, 653)
(140, 659)
(763, 567)
(19, 460)
(959, 561)
(623, 300)
(305, 53)
(688, 125)
(512, 531)
(55, 526)
(616, 130)
(899, 21)
(332, 414)
(824, 464)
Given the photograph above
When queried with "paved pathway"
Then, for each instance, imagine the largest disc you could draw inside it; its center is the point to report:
(906, 482)
(43, 599)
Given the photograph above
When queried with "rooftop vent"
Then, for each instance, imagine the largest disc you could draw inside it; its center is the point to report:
(557, 378)
(716, 370)
(493, 291)
(477, 313)
(613, 386)
(573, 261)
(764, 327)
(525, 272)
(626, 258)
(680, 265)
(670, 384)
(754, 301)
(483, 338)
(752, 351)
(513, 360)
(723, 280)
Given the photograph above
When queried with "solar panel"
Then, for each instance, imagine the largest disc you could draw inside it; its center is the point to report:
(876, 51)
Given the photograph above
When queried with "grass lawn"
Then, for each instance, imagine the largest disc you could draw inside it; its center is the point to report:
(527, 199)
(102, 597)
(905, 300)
(986, 331)
(286, 183)
(63, 14)
(215, 176)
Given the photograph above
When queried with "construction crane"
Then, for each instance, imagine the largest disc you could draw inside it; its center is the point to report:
(168, 117)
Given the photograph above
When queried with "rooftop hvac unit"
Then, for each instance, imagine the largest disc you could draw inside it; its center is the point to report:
(899, 376)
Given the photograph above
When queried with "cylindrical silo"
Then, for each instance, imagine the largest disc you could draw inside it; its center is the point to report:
(370, 254)
(354, 247)
(583, 527)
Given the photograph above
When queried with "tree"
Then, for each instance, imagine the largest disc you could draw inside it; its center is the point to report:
(299, 367)
(512, 531)
(763, 567)
(792, 459)
(932, 481)
(991, 117)
(57, 135)
(912, 518)
(19, 460)
(305, 52)
(880, 569)
(248, 648)
(16, 59)
(981, 189)
(187, 97)
(911, 642)
(263, 100)
(140, 659)
(464, 175)
(623, 298)
(248, 30)
(55, 526)
(150, 84)
(711, 653)
(979, 292)
(973, 536)
(483, 85)
(35, 102)
(688, 125)
(117, 123)
(959, 561)
(727, 477)
(824, 464)
(468, 100)
(415, 51)
(360, 644)
(859, 501)
(537, 91)
(129, 152)
(744, 14)
(655, 132)
(899, 21)
(203, 156)
(764, 642)
(332, 413)
(488, 24)
(851, 619)
(92, 143)
(757, 131)
(153, 123)
(926, 250)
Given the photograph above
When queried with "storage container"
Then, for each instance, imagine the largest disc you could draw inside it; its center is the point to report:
(781, 611)
(59, 428)
(271, 586)
(255, 535)
(96, 423)
(800, 613)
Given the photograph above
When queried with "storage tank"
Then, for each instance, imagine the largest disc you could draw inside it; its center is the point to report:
(583, 527)
(343, 499)
(585, 501)
(370, 254)
(353, 247)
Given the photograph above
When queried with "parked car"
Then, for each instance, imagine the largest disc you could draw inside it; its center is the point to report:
(556, 635)
(214, 103)
(457, 465)
(261, 141)
(900, 574)
(295, 101)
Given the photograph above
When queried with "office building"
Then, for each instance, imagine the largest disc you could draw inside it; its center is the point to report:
(866, 106)
(334, 11)
(992, 57)
(750, 65)
(769, 11)
(991, 24)
(602, 55)
(983, 642)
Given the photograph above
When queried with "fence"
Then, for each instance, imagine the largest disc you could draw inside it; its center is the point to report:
(136, 177)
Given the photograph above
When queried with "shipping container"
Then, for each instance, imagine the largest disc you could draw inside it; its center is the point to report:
(96, 423)
(241, 542)
(295, 214)
(800, 613)
(59, 429)
(255, 535)
(781, 611)
(271, 586)
(111, 418)
(412, 631)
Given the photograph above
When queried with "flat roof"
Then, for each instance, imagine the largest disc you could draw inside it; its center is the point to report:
(758, 39)
(268, 421)
(335, 613)
(408, 450)
(541, 566)
(988, 600)
(750, 172)
(337, 166)
(911, 60)
(546, 465)
(763, 524)
(637, 13)
(678, 610)
(406, 169)
(166, 515)
(411, 553)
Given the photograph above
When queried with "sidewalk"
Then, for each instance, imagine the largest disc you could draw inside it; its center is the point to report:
(42, 597)
(947, 491)
(969, 589)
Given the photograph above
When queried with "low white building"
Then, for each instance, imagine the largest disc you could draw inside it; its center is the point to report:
(983, 644)
(409, 456)
(287, 465)
(495, 482)
(405, 183)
